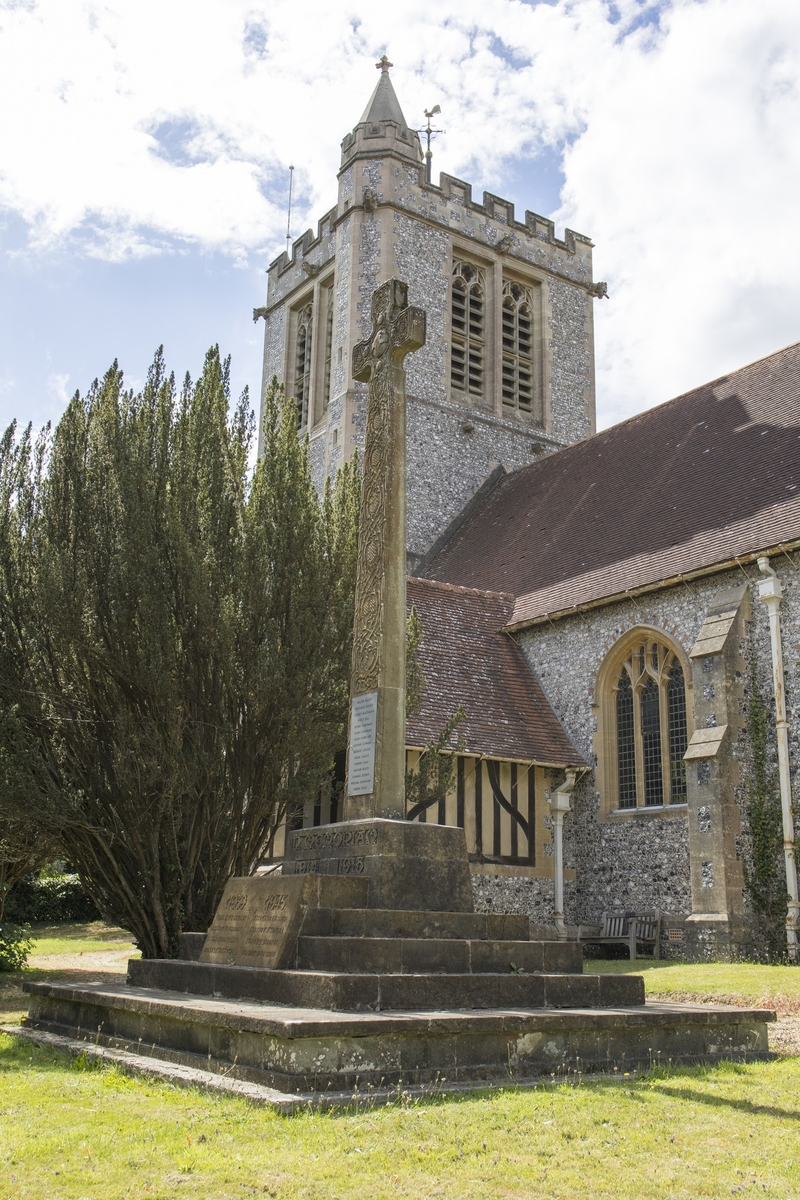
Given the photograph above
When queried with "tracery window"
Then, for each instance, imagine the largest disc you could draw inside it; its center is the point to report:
(651, 731)
(468, 329)
(518, 378)
(302, 364)
(326, 370)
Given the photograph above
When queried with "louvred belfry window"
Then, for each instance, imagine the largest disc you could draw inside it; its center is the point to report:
(518, 378)
(326, 378)
(468, 320)
(302, 365)
(651, 727)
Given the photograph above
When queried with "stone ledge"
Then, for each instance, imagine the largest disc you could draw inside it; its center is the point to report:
(301, 1051)
(288, 1103)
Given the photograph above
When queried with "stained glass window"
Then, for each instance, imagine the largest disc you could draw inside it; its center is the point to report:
(626, 750)
(651, 743)
(651, 727)
(677, 732)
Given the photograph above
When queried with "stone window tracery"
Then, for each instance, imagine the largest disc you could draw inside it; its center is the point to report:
(468, 329)
(326, 371)
(518, 367)
(302, 364)
(651, 732)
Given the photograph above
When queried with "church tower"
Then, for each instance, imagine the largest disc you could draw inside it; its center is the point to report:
(507, 373)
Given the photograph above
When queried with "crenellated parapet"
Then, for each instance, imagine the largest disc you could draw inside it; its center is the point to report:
(496, 208)
(309, 252)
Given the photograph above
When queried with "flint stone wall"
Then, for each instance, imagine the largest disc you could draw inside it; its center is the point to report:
(643, 860)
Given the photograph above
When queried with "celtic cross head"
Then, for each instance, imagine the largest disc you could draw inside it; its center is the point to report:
(397, 329)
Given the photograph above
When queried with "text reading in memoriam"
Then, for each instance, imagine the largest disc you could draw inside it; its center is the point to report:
(363, 726)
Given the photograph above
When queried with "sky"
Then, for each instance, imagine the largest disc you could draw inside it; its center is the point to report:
(145, 146)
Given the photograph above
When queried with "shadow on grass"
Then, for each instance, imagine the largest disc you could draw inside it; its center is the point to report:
(744, 1106)
(92, 931)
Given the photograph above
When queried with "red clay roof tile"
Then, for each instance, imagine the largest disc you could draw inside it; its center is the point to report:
(704, 478)
(465, 658)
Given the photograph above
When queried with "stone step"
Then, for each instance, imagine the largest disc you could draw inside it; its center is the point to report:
(363, 992)
(302, 1050)
(410, 923)
(430, 955)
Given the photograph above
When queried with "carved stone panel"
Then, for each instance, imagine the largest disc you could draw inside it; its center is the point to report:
(257, 922)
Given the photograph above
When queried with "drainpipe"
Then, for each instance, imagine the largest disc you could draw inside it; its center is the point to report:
(559, 807)
(770, 591)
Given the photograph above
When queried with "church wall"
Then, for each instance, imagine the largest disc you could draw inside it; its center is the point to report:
(447, 463)
(641, 859)
(572, 363)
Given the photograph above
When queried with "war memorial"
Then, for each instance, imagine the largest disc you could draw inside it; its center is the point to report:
(362, 967)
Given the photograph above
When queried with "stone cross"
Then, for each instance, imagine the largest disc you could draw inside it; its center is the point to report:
(377, 737)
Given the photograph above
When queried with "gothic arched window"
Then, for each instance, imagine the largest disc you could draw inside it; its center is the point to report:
(326, 374)
(468, 329)
(650, 731)
(518, 378)
(302, 364)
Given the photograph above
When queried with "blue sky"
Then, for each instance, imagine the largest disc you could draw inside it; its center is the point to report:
(144, 151)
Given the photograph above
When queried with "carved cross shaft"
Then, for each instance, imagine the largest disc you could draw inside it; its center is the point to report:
(376, 741)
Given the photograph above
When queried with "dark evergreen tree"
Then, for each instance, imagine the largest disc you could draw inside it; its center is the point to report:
(176, 636)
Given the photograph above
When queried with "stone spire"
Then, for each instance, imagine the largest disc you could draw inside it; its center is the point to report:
(383, 103)
(382, 129)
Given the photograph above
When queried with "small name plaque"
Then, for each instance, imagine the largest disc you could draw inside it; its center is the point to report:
(257, 922)
(363, 728)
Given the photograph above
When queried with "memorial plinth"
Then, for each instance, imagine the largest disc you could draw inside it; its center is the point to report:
(408, 865)
(363, 963)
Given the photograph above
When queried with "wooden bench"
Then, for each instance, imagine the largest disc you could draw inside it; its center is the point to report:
(628, 929)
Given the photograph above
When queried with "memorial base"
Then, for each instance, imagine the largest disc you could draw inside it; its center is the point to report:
(408, 865)
(310, 1056)
(377, 973)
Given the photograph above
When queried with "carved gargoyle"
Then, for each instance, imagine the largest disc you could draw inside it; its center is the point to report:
(370, 197)
(599, 290)
(260, 312)
(505, 243)
(310, 269)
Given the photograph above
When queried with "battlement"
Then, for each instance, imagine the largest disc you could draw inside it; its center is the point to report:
(381, 137)
(496, 208)
(303, 246)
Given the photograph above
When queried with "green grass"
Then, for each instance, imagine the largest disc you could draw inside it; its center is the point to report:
(70, 942)
(731, 983)
(70, 1130)
(74, 1133)
(79, 939)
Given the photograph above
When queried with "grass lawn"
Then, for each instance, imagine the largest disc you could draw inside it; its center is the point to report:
(76, 951)
(70, 1130)
(723, 983)
(79, 939)
(94, 1134)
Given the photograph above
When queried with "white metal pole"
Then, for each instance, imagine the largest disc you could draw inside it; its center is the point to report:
(559, 807)
(770, 591)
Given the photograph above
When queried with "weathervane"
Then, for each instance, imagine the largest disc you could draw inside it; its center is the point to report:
(429, 133)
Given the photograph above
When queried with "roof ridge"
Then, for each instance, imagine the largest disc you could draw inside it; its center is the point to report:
(456, 587)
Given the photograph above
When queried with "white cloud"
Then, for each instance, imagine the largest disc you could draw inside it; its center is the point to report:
(149, 128)
(57, 388)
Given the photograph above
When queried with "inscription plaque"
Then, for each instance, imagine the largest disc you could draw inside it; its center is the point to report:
(257, 922)
(363, 726)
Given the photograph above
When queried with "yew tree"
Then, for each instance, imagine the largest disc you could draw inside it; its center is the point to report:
(175, 631)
